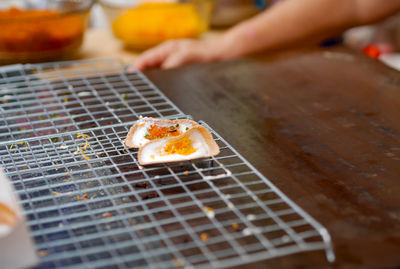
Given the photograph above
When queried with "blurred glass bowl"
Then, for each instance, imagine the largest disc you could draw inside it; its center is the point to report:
(34, 31)
(141, 24)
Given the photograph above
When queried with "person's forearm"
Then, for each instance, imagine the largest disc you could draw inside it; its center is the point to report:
(293, 21)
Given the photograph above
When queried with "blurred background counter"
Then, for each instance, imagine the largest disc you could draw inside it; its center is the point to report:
(100, 42)
(225, 13)
(117, 29)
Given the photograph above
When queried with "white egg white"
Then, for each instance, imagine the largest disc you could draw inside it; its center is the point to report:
(201, 141)
(136, 136)
(154, 151)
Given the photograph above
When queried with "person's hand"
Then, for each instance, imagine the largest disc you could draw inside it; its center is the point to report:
(175, 53)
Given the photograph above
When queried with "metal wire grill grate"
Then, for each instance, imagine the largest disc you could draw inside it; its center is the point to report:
(88, 202)
(52, 98)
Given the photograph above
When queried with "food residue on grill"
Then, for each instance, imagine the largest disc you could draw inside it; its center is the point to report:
(83, 153)
(79, 135)
(107, 215)
(15, 146)
(209, 212)
(246, 231)
(86, 145)
(151, 196)
(249, 231)
(235, 226)
(251, 217)
(79, 198)
(143, 185)
(79, 150)
(230, 206)
(84, 94)
(204, 237)
(178, 263)
(42, 253)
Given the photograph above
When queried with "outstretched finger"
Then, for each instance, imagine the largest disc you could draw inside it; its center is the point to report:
(154, 57)
(176, 59)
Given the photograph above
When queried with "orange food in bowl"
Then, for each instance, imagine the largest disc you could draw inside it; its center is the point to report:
(39, 30)
(153, 22)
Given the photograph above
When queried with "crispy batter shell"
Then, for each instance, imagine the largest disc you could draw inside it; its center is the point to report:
(132, 130)
(214, 149)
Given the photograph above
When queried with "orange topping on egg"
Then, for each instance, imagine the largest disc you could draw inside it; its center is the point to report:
(155, 132)
(181, 146)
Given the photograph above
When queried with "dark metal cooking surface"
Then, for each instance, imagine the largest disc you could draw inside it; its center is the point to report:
(88, 202)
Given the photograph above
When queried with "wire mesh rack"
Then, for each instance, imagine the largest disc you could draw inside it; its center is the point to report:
(88, 202)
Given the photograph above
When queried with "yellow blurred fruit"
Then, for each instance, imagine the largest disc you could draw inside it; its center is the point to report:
(151, 23)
